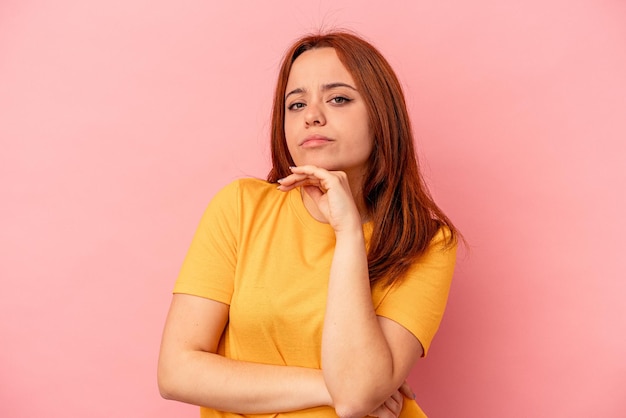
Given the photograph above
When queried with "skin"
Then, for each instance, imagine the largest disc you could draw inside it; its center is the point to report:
(322, 101)
(365, 358)
(362, 354)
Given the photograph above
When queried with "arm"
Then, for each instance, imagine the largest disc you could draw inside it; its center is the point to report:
(365, 358)
(189, 369)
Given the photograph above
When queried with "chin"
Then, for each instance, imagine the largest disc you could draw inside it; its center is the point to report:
(321, 164)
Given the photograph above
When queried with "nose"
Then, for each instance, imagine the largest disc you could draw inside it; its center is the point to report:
(314, 115)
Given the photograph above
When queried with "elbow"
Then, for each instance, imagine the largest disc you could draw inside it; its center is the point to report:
(348, 411)
(165, 382)
(165, 389)
(356, 406)
(352, 410)
(165, 392)
(357, 399)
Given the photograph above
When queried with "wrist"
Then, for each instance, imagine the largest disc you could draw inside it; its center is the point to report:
(350, 241)
(320, 391)
(350, 234)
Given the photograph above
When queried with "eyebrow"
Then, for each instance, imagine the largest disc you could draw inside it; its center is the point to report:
(325, 87)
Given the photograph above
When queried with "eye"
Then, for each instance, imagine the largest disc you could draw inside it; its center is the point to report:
(340, 100)
(295, 106)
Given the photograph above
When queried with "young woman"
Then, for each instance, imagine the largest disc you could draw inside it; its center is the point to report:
(314, 293)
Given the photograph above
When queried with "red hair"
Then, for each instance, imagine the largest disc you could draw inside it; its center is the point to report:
(405, 218)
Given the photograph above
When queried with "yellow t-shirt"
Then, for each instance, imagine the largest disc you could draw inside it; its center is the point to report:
(258, 250)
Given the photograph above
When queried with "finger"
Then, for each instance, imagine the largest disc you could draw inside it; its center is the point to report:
(292, 178)
(306, 172)
(310, 170)
(320, 173)
(391, 408)
(406, 390)
(292, 181)
(382, 412)
(394, 403)
(397, 396)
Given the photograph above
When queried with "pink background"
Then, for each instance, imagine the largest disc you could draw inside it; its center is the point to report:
(119, 120)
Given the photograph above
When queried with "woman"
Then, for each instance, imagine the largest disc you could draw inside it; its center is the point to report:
(314, 293)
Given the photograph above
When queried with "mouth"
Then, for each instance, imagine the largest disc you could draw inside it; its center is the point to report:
(314, 141)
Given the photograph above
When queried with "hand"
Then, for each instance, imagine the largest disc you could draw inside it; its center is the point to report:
(392, 407)
(330, 191)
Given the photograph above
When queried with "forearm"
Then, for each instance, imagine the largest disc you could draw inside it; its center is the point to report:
(211, 380)
(356, 359)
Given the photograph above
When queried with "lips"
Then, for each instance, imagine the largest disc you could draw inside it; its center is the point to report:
(314, 141)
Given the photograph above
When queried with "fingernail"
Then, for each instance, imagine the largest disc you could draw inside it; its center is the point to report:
(280, 180)
(291, 167)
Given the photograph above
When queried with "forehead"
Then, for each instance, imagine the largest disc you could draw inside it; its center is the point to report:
(317, 67)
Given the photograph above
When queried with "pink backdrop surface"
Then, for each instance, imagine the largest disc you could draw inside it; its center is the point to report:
(119, 120)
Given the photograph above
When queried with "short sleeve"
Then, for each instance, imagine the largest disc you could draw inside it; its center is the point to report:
(417, 302)
(209, 267)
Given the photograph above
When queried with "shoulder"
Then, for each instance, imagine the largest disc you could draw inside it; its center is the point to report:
(253, 187)
(442, 243)
(244, 188)
(249, 198)
(436, 264)
(432, 269)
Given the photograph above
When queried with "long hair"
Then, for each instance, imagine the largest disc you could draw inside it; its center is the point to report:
(404, 216)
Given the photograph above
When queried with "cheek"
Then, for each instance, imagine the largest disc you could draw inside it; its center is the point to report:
(368, 146)
(363, 122)
(368, 141)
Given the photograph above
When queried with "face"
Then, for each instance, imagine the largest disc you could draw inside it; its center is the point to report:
(326, 122)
